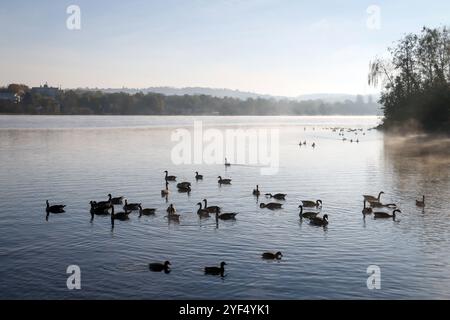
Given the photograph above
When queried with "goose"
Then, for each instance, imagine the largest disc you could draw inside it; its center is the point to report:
(272, 256)
(318, 221)
(98, 210)
(227, 164)
(57, 208)
(198, 176)
(122, 216)
(184, 187)
(223, 181)
(105, 204)
(307, 215)
(158, 267)
(372, 198)
(386, 214)
(216, 270)
(256, 191)
(366, 210)
(146, 211)
(165, 191)
(169, 178)
(131, 206)
(210, 208)
(116, 200)
(310, 204)
(421, 203)
(278, 196)
(183, 184)
(202, 213)
(271, 206)
(225, 216)
(377, 204)
(171, 209)
(173, 217)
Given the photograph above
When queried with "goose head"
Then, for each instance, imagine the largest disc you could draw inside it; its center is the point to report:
(166, 264)
(262, 205)
(325, 217)
(278, 255)
(319, 202)
(48, 205)
(222, 264)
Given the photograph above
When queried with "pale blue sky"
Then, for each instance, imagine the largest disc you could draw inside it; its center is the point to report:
(266, 46)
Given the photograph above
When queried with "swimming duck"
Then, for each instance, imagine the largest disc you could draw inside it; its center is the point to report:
(57, 208)
(271, 205)
(223, 181)
(146, 211)
(386, 214)
(131, 206)
(272, 256)
(256, 191)
(202, 213)
(310, 204)
(278, 196)
(210, 208)
(169, 178)
(318, 221)
(372, 198)
(307, 215)
(216, 270)
(198, 176)
(421, 203)
(158, 267)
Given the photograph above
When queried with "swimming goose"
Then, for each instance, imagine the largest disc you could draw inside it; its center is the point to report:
(223, 181)
(377, 204)
(272, 256)
(57, 208)
(210, 208)
(318, 221)
(227, 164)
(131, 206)
(198, 176)
(310, 204)
(366, 210)
(216, 270)
(307, 215)
(158, 267)
(122, 216)
(225, 216)
(184, 187)
(202, 213)
(271, 206)
(165, 191)
(183, 184)
(421, 203)
(146, 211)
(116, 200)
(372, 198)
(105, 204)
(386, 214)
(256, 191)
(278, 196)
(98, 210)
(171, 209)
(169, 178)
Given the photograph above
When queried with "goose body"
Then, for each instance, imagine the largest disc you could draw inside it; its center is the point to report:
(57, 208)
(211, 209)
(146, 211)
(116, 200)
(377, 204)
(308, 214)
(202, 213)
(385, 214)
(366, 210)
(319, 221)
(105, 204)
(186, 187)
(98, 210)
(171, 209)
(272, 256)
(158, 267)
(165, 191)
(169, 178)
(278, 196)
(311, 204)
(216, 270)
(131, 206)
(223, 181)
(256, 191)
(198, 176)
(122, 216)
(421, 203)
(271, 205)
(226, 215)
(372, 198)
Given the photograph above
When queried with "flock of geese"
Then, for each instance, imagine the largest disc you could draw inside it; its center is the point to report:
(372, 205)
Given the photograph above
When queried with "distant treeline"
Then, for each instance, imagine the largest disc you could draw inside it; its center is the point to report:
(416, 82)
(82, 102)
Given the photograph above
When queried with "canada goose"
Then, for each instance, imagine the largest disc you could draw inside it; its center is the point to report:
(165, 191)
(183, 184)
(184, 187)
(271, 206)
(122, 216)
(198, 176)
(146, 211)
(210, 208)
(171, 209)
(366, 210)
(372, 198)
(227, 164)
(256, 191)
(278, 196)
(158, 267)
(57, 208)
(225, 216)
(98, 210)
(386, 214)
(131, 206)
(202, 213)
(173, 217)
(105, 204)
(223, 181)
(116, 200)
(272, 256)
(421, 203)
(216, 270)
(169, 178)
(377, 204)
(310, 204)
(307, 215)
(318, 221)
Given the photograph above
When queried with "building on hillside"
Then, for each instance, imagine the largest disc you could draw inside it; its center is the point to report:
(45, 90)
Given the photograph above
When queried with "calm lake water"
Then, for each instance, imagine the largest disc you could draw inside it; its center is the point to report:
(75, 159)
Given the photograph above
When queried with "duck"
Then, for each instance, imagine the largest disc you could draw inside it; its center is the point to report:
(131, 206)
(158, 267)
(198, 176)
(372, 198)
(256, 191)
(165, 192)
(202, 213)
(318, 221)
(146, 211)
(223, 181)
(271, 205)
(272, 256)
(383, 214)
(216, 270)
(56, 208)
(210, 208)
(169, 178)
(227, 164)
(310, 204)
(307, 215)
(116, 200)
(278, 196)
(421, 203)
(366, 210)
(225, 216)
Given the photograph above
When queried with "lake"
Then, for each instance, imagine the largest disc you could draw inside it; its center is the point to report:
(75, 159)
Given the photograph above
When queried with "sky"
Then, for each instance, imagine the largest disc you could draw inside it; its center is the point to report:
(278, 47)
